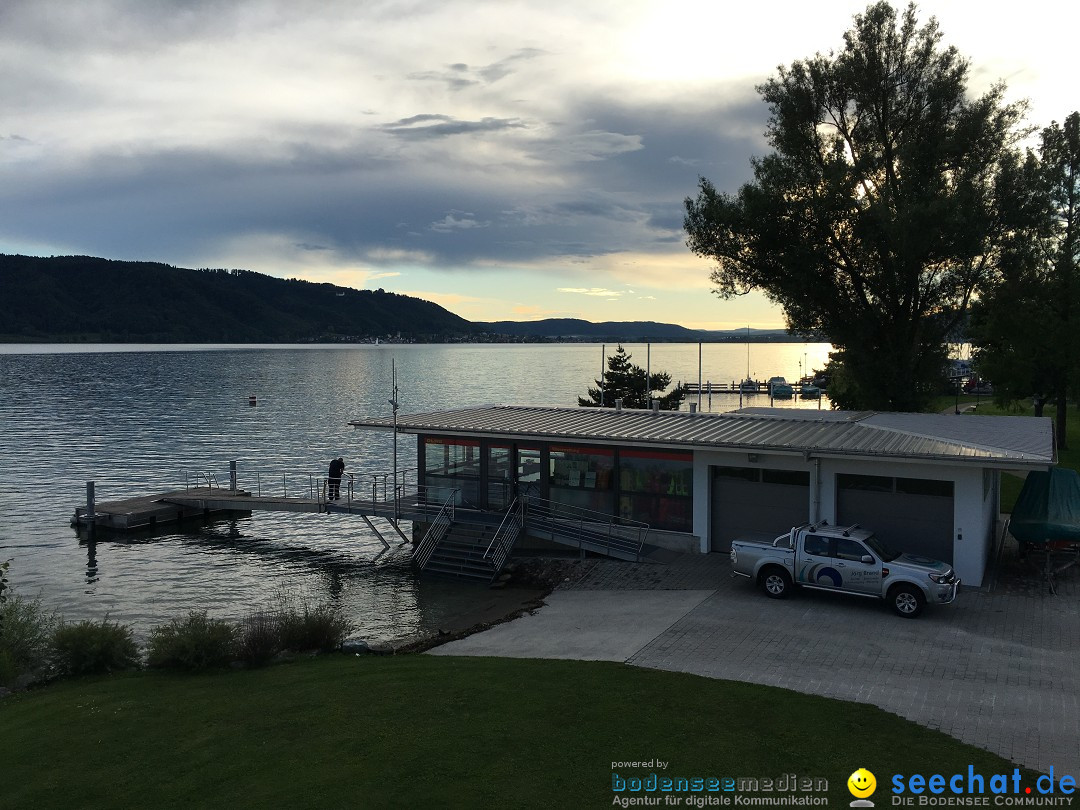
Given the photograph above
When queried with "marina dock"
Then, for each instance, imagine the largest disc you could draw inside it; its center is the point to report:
(749, 388)
(150, 511)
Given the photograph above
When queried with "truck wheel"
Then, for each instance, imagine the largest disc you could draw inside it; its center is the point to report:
(776, 582)
(907, 601)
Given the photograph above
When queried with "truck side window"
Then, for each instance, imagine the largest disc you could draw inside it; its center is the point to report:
(849, 549)
(817, 546)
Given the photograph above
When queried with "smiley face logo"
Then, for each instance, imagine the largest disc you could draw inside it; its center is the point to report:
(861, 783)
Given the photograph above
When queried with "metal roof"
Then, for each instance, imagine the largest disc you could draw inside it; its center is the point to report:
(999, 441)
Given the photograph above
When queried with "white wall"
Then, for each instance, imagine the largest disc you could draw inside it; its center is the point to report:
(973, 504)
(704, 459)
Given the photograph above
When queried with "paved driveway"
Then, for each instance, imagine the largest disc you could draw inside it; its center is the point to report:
(999, 669)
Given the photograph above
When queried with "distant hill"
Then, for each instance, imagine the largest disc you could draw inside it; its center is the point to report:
(576, 329)
(80, 298)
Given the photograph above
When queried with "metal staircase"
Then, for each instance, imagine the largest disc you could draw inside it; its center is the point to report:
(465, 549)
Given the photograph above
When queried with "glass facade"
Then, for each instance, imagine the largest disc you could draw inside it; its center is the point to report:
(653, 487)
(582, 477)
(657, 488)
(500, 479)
(451, 464)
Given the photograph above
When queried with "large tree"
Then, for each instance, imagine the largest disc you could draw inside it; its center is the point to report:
(1026, 321)
(875, 216)
(626, 381)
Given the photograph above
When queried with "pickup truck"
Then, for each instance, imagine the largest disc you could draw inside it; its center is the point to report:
(849, 560)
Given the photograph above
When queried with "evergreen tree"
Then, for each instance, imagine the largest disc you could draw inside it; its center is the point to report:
(623, 380)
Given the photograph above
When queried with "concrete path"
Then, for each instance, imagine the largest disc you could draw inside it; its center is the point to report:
(1000, 669)
(583, 625)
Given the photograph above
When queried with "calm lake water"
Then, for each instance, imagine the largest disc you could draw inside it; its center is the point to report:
(144, 419)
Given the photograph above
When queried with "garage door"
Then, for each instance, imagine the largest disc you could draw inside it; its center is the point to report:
(755, 501)
(909, 514)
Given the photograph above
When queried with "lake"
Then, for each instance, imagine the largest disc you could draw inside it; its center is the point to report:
(143, 419)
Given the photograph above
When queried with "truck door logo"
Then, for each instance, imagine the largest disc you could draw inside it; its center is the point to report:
(821, 574)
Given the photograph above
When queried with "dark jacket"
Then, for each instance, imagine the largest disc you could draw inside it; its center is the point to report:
(337, 467)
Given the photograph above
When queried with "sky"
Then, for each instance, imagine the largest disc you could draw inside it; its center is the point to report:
(509, 160)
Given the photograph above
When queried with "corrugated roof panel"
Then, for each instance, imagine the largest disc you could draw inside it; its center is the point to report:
(1017, 440)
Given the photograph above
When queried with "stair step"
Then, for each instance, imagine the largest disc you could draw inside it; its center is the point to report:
(451, 559)
(435, 568)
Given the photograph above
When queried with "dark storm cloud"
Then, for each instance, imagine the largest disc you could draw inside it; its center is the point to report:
(354, 201)
(518, 173)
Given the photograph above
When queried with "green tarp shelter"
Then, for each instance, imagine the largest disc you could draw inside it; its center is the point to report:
(1048, 508)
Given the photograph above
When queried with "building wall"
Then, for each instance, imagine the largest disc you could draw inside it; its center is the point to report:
(974, 498)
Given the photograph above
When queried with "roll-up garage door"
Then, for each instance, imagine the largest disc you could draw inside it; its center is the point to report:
(756, 501)
(909, 514)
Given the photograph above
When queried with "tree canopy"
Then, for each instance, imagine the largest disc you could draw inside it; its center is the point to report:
(876, 215)
(626, 381)
(1025, 322)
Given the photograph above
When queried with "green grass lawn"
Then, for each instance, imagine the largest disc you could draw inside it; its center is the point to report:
(425, 731)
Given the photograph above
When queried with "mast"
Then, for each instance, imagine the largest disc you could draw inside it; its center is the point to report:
(394, 405)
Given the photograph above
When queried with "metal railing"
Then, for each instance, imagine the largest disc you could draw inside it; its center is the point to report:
(436, 532)
(506, 535)
(201, 479)
(593, 531)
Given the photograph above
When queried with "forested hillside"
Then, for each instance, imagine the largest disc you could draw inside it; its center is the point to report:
(80, 298)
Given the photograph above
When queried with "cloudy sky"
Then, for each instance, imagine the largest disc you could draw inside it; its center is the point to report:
(513, 159)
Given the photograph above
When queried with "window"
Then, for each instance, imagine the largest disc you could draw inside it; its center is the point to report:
(657, 488)
(500, 478)
(582, 477)
(816, 546)
(452, 464)
(849, 549)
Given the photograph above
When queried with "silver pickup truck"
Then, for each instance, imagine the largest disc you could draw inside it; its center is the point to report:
(849, 560)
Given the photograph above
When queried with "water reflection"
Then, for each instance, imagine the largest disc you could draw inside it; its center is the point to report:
(91, 563)
(137, 421)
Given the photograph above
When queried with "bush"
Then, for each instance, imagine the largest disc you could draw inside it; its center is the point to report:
(321, 627)
(197, 642)
(26, 648)
(90, 647)
(259, 638)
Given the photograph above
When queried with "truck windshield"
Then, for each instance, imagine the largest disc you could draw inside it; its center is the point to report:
(882, 550)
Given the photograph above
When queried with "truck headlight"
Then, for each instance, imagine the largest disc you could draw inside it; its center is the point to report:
(942, 579)
(734, 556)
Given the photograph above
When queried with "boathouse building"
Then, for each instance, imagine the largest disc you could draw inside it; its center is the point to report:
(925, 483)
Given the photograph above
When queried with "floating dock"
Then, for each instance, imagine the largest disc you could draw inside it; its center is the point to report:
(149, 511)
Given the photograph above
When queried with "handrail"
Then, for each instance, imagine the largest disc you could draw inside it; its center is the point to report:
(209, 477)
(505, 536)
(436, 531)
(609, 532)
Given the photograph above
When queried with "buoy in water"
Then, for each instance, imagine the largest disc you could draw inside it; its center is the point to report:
(252, 400)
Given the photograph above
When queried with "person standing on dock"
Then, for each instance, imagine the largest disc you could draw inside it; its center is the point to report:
(337, 469)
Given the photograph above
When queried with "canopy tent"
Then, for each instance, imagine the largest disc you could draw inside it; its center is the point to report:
(1048, 509)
